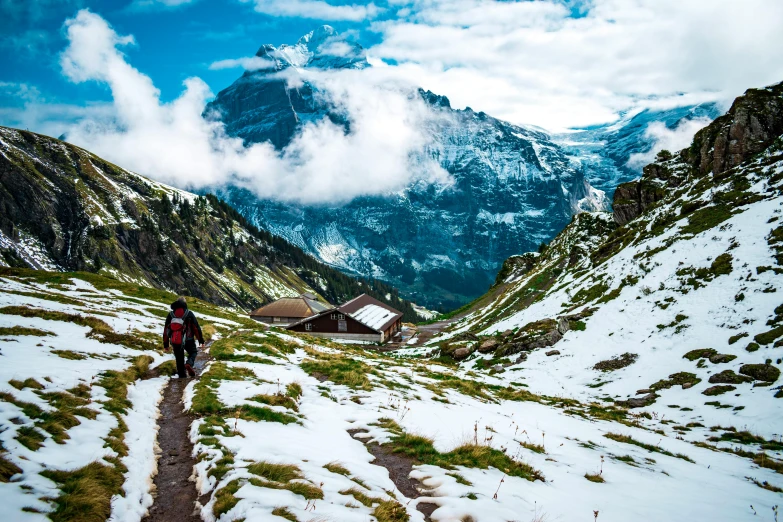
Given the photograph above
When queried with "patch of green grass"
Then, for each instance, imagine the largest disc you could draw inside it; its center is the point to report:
(460, 479)
(341, 370)
(85, 493)
(734, 338)
(336, 467)
(225, 499)
(256, 414)
(675, 379)
(275, 472)
(224, 349)
(627, 439)
(700, 353)
(769, 337)
(294, 390)
(205, 399)
(21, 330)
(626, 458)
(360, 496)
(706, 218)
(579, 326)
(479, 456)
(116, 383)
(70, 355)
(276, 400)
(99, 330)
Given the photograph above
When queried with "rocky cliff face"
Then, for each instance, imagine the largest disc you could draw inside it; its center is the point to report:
(64, 209)
(441, 245)
(673, 297)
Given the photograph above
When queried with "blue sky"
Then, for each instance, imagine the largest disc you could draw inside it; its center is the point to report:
(172, 43)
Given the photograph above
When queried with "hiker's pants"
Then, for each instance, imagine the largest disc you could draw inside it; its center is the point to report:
(179, 355)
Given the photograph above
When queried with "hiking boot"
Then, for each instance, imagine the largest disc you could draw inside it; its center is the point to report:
(190, 370)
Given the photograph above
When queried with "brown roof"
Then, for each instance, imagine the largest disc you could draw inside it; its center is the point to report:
(290, 307)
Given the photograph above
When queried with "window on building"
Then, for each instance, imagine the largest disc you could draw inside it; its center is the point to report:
(342, 326)
(334, 317)
(309, 327)
(341, 317)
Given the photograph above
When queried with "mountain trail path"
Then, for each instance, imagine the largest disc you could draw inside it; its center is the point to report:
(399, 467)
(175, 494)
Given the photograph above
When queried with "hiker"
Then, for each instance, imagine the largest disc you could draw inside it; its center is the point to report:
(182, 330)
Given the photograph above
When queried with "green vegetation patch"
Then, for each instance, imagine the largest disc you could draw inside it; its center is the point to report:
(341, 370)
(706, 218)
(21, 330)
(595, 477)
(700, 353)
(99, 330)
(468, 455)
(616, 363)
(284, 476)
(680, 378)
(627, 439)
(85, 493)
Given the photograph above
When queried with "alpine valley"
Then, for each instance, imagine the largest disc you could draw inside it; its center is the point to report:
(513, 187)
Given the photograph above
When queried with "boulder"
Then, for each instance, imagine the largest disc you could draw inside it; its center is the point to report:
(688, 385)
(643, 390)
(638, 402)
(462, 353)
(507, 333)
(728, 377)
(550, 353)
(563, 325)
(522, 358)
(761, 372)
(490, 345)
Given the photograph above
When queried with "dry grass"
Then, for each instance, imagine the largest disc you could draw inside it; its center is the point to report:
(360, 496)
(85, 493)
(283, 512)
(225, 499)
(391, 511)
(595, 477)
(338, 468)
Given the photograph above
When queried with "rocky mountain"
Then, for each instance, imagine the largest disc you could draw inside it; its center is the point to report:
(65, 209)
(514, 188)
(669, 304)
(606, 151)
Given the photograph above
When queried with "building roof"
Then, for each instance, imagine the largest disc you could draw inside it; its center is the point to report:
(300, 307)
(366, 310)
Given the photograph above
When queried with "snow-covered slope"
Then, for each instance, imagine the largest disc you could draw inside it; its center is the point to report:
(80, 381)
(64, 208)
(672, 304)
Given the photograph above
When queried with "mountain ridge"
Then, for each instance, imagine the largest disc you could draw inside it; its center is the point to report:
(65, 209)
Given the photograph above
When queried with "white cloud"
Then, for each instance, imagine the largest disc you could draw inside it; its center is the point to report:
(534, 63)
(248, 63)
(171, 142)
(316, 9)
(664, 138)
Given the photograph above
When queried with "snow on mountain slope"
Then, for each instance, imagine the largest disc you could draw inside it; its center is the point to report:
(76, 397)
(433, 242)
(670, 306)
(308, 429)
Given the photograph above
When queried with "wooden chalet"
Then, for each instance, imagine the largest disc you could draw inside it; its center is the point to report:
(361, 319)
(289, 310)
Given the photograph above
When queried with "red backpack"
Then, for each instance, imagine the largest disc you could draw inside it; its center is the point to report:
(178, 326)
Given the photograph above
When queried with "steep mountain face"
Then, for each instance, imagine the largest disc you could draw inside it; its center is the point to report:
(65, 209)
(442, 245)
(605, 150)
(671, 300)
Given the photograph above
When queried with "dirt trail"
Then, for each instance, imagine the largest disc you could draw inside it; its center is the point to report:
(399, 468)
(175, 495)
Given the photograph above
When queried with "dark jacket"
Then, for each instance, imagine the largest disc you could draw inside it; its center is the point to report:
(192, 328)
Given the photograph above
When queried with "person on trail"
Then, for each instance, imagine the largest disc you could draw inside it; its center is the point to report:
(181, 331)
